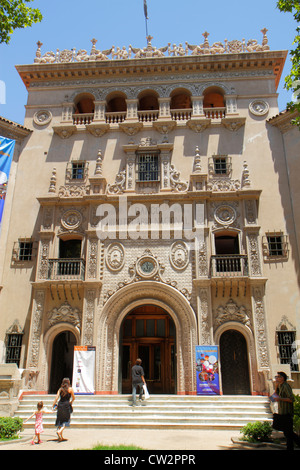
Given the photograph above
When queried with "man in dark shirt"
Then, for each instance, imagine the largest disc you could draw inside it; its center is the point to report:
(138, 380)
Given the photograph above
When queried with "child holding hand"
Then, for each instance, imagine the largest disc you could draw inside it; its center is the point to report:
(38, 426)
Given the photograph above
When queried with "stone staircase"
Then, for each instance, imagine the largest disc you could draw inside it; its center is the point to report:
(160, 411)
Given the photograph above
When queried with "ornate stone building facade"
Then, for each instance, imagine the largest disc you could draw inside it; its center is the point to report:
(150, 213)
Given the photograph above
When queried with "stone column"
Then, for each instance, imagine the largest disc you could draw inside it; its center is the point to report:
(132, 110)
(164, 108)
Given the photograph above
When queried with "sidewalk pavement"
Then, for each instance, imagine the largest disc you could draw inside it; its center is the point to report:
(148, 439)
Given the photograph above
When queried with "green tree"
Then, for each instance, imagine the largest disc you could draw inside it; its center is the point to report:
(16, 14)
(292, 81)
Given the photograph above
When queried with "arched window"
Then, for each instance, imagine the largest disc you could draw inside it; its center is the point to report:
(181, 105)
(214, 103)
(84, 109)
(116, 108)
(148, 107)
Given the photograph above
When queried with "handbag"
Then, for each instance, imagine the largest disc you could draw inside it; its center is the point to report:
(147, 395)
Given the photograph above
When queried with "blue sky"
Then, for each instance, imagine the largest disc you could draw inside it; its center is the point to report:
(72, 23)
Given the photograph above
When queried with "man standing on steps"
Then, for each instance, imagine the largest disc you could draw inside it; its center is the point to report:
(138, 380)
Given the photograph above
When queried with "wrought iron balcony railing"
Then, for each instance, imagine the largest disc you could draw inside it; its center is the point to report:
(62, 269)
(229, 265)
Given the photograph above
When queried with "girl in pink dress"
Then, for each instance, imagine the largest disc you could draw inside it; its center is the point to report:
(38, 426)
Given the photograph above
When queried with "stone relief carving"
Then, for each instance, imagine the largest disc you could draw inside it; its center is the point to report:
(260, 327)
(71, 220)
(225, 215)
(228, 47)
(115, 256)
(42, 117)
(232, 312)
(36, 328)
(179, 255)
(259, 107)
(65, 313)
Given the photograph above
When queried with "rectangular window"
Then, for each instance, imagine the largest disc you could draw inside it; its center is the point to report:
(275, 245)
(220, 166)
(25, 251)
(13, 348)
(148, 167)
(287, 348)
(78, 170)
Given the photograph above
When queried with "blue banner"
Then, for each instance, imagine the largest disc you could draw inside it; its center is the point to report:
(7, 147)
(207, 370)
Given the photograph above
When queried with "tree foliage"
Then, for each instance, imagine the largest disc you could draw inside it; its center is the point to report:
(16, 14)
(292, 81)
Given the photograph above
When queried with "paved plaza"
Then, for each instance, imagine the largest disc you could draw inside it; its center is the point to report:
(154, 439)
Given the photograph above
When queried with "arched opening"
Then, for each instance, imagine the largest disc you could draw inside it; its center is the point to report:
(62, 359)
(148, 106)
(84, 109)
(181, 99)
(116, 108)
(234, 363)
(148, 332)
(214, 103)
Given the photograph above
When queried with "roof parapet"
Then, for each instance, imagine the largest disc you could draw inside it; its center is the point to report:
(227, 47)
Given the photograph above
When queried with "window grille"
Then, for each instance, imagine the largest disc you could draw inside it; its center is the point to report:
(13, 348)
(24, 250)
(220, 166)
(148, 167)
(287, 348)
(77, 171)
(275, 245)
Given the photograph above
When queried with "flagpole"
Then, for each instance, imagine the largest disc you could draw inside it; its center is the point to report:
(146, 16)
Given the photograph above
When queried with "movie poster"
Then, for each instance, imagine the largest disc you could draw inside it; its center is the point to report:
(83, 382)
(207, 370)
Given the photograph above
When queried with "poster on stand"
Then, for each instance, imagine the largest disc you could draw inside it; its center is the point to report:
(84, 370)
(207, 370)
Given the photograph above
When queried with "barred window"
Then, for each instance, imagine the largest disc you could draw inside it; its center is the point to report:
(25, 250)
(148, 167)
(220, 166)
(78, 170)
(275, 245)
(13, 348)
(287, 348)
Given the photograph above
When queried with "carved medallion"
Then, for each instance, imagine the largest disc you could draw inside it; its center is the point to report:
(115, 256)
(179, 255)
(71, 219)
(259, 107)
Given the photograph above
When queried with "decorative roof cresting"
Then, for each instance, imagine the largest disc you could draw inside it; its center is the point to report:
(227, 47)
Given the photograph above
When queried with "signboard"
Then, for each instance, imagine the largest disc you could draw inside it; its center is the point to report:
(207, 370)
(83, 382)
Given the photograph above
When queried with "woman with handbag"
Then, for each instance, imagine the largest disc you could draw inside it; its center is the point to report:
(64, 400)
(283, 421)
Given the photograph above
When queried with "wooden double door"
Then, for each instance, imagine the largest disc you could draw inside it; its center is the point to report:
(148, 332)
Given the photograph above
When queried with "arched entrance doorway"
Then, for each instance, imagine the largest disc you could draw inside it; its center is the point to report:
(62, 359)
(234, 363)
(148, 332)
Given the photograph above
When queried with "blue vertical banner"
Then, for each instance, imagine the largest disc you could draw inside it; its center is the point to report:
(7, 147)
(207, 370)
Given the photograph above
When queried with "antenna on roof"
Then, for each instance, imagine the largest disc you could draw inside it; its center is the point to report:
(146, 16)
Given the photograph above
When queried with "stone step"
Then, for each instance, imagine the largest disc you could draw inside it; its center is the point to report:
(172, 411)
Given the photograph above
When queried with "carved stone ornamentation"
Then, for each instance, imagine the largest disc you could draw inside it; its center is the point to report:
(115, 256)
(232, 312)
(179, 255)
(65, 313)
